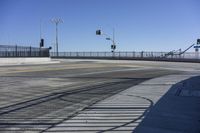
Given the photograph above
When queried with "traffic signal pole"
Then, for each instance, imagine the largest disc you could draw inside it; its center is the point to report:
(113, 46)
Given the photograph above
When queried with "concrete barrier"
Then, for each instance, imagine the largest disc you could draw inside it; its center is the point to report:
(28, 60)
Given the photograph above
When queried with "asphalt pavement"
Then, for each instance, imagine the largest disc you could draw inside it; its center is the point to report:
(84, 96)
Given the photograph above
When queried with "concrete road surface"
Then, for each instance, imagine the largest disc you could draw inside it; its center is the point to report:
(91, 96)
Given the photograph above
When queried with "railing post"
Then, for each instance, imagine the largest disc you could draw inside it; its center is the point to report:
(133, 54)
(16, 50)
(142, 54)
(30, 52)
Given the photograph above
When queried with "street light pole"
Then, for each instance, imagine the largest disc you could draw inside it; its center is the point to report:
(113, 35)
(57, 38)
(57, 21)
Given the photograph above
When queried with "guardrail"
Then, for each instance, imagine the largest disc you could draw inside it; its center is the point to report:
(22, 51)
(159, 56)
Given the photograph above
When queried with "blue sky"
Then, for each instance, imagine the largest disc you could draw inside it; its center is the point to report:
(148, 25)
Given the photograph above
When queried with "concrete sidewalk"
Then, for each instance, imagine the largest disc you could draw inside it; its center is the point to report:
(26, 61)
(154, 106)
(177, 111)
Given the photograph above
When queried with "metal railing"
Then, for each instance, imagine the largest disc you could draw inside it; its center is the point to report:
(128, 55)
(22, 51)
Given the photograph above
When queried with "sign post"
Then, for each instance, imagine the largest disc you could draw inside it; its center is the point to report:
(197, 49)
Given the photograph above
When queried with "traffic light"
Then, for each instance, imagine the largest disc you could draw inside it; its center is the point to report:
(113, 47)
(198, 41)
(98, 32)
(41, 43)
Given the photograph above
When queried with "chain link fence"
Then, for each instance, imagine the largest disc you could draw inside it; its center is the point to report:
(22, 51)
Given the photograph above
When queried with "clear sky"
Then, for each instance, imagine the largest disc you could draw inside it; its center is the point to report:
(148, 25)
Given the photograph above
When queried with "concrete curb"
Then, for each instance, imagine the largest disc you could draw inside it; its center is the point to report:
(21, 61)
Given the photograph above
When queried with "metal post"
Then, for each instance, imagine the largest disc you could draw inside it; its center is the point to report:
(16, 51)
(40, 52)
(30, 51)
(56, 39)
(142, 54)
(113, 40)
(133, 54)
(57, 21)
(113, 46)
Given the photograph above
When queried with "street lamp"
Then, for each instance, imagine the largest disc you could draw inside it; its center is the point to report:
(56, 21)
(113, 46)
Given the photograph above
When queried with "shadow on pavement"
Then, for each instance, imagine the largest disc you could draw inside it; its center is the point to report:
(176, 112)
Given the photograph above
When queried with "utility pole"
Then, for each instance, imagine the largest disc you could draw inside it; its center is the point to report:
(57, 21)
